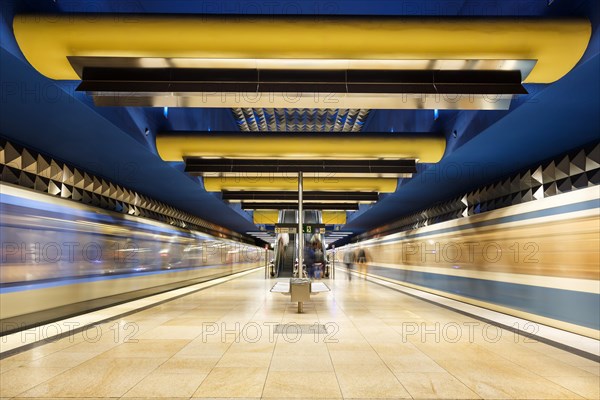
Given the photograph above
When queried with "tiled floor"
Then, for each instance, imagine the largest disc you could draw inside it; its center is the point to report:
(219, 343)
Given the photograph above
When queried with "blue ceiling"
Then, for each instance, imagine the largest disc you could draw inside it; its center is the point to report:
(483, 146)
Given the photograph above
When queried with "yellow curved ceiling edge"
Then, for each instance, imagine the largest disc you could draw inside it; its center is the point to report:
(333, 217)
(270, 217)
(46, 40)
(265, 217)
(330, 183)
(175, 147)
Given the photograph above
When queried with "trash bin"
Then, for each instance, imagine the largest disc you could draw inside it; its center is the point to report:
(300, 291)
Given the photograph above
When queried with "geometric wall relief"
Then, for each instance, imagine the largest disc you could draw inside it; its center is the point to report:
(29, 169)
(571, 171)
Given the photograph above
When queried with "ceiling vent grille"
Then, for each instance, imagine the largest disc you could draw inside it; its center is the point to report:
(300, 119)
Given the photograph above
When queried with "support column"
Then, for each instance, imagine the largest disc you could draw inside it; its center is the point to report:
(300, 223)
(333, 268)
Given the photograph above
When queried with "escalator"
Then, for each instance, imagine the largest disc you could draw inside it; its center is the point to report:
(286, 254)
(314, 217)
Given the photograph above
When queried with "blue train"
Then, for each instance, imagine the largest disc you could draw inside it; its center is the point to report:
(59, 257)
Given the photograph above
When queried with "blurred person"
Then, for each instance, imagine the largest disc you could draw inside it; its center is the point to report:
(362, 259)
(319, 260)
(285, 239)
(349, 261)
(309, 259)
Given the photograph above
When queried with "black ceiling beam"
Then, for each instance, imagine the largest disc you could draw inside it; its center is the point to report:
(201, 80)
(294, 206)
(293, 196)
(201, 166)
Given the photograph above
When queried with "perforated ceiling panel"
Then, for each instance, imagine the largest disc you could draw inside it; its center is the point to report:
(300, 119)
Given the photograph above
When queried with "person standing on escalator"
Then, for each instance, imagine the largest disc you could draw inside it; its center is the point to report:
(309, 259)
(319, 260)
(285, 240)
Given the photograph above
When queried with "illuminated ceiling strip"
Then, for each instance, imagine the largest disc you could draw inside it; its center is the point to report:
(315, 175)
(293, 196)
(294, 206)
(381, 185)
(198, 81)
(440, 89)
(431, 84)
(260, 167)
(276, 201)
(47, 40)
(174, 147)
(309, 100)
(523, 65)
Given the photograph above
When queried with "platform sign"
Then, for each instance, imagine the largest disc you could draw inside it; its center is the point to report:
(285, 229)
(306, 228)
(313, 229)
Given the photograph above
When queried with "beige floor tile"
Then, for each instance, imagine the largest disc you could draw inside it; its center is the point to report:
(61, 359)
(9, 363)
(21, 379)
(233, 382)
(189, 365)
(191, 321)
(368, 382)
(309, 384)
(145, 348)
(171, 332)
(92, 347)
(364, 345)
(197, 348)
(34, 354)
(493, 378)
(585, 386)
(51, 347)
(161, 384)
(309, 339)
(561, 355)
(435, 385)
(458, 352)
(97, 378)
(225, 398)
(592, 370)
(358, 357)
(295, 362)
(408, 359)
(248, 347)
(343, 345)
(542, 364)
(308, 348)
(233, 359)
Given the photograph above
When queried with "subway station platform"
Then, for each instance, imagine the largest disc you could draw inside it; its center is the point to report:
(235, 339)
(168, 168)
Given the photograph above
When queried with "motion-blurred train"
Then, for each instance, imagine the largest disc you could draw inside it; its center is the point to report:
(60, 257)
(538, 260)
